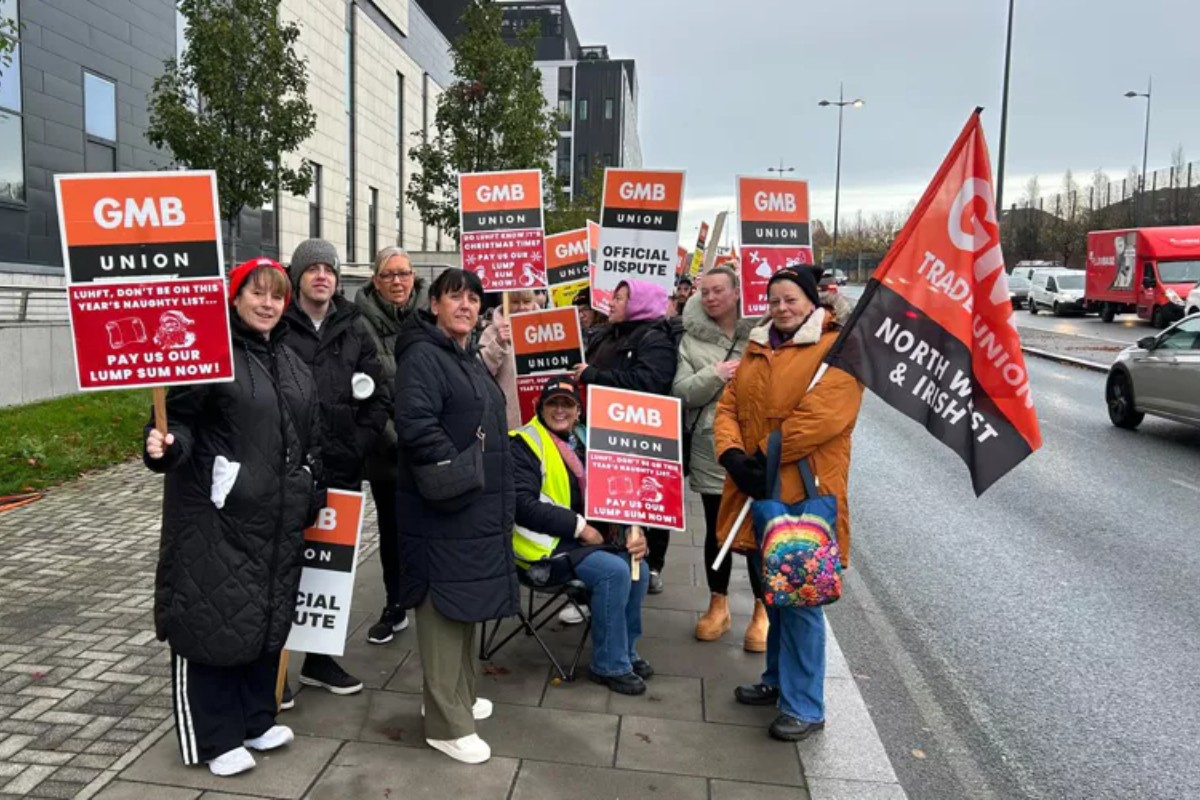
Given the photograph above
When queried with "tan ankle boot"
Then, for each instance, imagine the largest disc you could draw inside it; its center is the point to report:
(716, 620)
(756, 631)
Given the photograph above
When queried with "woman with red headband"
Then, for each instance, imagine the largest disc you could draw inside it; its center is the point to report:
(243, 478)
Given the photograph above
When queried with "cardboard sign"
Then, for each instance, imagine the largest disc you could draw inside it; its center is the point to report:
(145, 278)
(682, 263)
(502, 238)
(698, 253)
(567, 263)
(601, 298)
(639, 233)
(634, 467)
(546, 344)
(773, 214)
(322, 616)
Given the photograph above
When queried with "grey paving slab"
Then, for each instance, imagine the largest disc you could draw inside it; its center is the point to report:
(569, 737)
(539, 780)
(831, 789)
(363, 770)
(706, 749)
(517, 674)
(393, 718)
(225, 796)
(679, 572)
(321, 713)
(666, 696)
(666, 623)
(128, 790)
(730, 790)
(849, 748)
(687, 657)
(286, 773)
(696, 598)
(719, 706)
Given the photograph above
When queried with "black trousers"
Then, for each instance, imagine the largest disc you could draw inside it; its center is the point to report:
(384, 495)
(718, 579)
(218, 708)
(656, 544)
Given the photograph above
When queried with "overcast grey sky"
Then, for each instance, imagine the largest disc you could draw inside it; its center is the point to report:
(729, 88)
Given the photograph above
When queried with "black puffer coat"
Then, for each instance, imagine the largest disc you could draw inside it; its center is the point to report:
(227, 578)
(342, 347)
(637, 355)
(384, 320)
(462, 560)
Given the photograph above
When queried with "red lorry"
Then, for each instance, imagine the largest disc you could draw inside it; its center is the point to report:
(1145, 270)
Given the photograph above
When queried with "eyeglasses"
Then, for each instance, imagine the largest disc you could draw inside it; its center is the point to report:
(392, 277)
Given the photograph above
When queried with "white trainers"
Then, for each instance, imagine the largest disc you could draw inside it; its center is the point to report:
(236, 761)
(469, 749)
(276, 736)
(481, 710)
(570, 616)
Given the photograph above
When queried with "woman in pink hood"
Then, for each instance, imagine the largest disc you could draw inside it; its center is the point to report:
(637, 350)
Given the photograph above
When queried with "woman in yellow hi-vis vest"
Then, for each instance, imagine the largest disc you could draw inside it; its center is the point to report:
(549, 479)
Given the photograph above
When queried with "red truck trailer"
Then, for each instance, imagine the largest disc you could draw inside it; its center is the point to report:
(1145, 270)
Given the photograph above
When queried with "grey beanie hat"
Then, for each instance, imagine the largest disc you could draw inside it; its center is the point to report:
(309, 252)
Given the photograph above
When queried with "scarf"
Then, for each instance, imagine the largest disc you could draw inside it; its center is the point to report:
(571, 460)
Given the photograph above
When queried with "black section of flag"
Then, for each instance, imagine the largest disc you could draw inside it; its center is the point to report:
(519, 219)
(553, 361)
(635, 219)
(782, 233)
(922, 370)
(577, 271)
(323, 555)
(139, 261)
(634, 444)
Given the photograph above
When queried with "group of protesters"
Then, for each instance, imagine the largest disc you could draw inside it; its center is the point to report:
(411, 387)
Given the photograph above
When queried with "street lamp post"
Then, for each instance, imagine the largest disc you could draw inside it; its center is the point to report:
(1145, 145)
(841, 104)
(781, 168)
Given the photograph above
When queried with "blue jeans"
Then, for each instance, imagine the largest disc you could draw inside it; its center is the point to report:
(796, 661)
(616, 606)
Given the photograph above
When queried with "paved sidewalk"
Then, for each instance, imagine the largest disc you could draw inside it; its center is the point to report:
(1088, 351)
(85, 691)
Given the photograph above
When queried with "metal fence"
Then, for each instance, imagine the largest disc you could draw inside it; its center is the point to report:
(1174, 192)
(25, 305)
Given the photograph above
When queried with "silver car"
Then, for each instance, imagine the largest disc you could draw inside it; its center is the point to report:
(1159, 375)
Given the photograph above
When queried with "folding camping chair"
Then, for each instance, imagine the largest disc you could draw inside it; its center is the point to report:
(538, 578)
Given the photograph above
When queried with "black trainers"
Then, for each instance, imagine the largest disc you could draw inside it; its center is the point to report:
(629, 683)
(323, 671)
(642, 669)
(787, 728)
(656, 582)
(392, 620)
(287, 703)
(757, 694)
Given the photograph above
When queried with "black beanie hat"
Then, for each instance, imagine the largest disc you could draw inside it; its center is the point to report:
(804, 277)
(559, 387)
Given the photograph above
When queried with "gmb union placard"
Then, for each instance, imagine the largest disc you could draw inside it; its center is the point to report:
(145, 278)
(773, 214)
(634, 467)
(639, 227)
(567, 260)
(502, 234)
(545, 345)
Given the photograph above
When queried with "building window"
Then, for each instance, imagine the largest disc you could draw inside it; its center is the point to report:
(583, 110)
(314, 203)
(581, 168)
(608, 160)
(12, 138)
(564, 158)
(610, 107)
(425, 140)
(372, 221)
(269, 219)
(400, 159)
(350, 136)
(566, 95)
(100, 107)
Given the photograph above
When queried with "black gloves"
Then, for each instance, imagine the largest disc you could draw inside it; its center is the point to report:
(749, 473)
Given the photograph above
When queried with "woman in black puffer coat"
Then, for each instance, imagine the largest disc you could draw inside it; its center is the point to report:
(243, 479)
(458, 565)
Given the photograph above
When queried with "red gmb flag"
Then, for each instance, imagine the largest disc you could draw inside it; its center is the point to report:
(934, 334)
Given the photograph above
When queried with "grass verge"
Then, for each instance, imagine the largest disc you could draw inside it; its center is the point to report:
(43, 444)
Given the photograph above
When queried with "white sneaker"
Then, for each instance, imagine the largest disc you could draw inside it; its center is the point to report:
(235, 761)
(469, 749)
(570, 616)
(481, 710)
(276, 736)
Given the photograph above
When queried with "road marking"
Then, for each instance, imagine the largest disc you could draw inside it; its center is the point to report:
(1185, 484)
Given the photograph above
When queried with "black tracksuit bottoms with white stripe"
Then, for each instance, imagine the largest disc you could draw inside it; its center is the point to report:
(218, 708)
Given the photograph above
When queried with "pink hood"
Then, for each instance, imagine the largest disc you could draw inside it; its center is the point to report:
(646, 300)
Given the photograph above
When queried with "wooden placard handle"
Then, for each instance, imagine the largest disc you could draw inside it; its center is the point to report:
(281, 679)
(160, 410)
(635, 564)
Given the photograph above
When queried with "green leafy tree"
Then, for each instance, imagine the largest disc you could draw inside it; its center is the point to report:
(492, 117)
(235, 102)
(9, 34)
(567, 212)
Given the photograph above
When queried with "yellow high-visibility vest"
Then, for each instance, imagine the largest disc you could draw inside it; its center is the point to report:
(530, 545)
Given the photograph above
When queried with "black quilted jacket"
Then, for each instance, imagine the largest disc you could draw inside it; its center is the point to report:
(227, 578)
(464, 560)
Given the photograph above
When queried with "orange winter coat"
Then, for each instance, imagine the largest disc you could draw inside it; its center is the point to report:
(769, 392)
